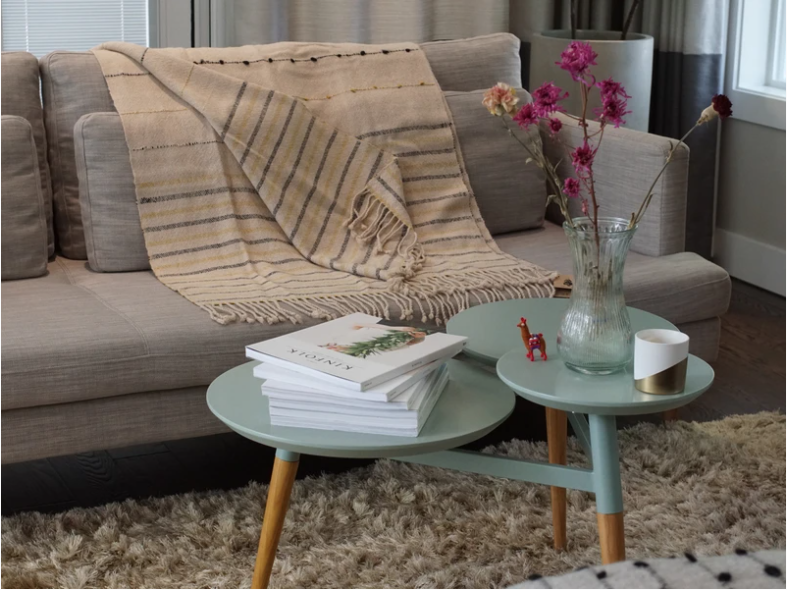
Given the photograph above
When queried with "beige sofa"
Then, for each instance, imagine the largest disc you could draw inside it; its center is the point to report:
(95, 355)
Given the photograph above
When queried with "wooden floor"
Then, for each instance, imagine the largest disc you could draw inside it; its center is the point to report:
(750, 377)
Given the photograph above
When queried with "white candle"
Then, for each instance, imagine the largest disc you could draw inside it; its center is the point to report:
(659, 360)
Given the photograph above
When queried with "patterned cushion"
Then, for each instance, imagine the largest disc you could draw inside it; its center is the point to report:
(21, 97)
(24, 232)
(742, 570)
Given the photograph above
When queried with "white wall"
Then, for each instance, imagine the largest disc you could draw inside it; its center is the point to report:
(750, 221)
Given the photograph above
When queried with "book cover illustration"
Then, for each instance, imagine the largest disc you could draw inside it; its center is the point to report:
(375, 339)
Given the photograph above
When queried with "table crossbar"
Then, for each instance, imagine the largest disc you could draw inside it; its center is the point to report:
(506, 467)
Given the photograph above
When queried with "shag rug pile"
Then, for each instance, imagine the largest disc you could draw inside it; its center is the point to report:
(707, 488)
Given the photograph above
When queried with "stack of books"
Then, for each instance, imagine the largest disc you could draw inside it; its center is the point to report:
(357, 373)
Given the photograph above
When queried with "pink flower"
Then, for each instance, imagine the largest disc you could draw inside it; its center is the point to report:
(571, 187)
(576, 58)
(609, 87)
(585, 208)
(613, 110)
(582, 159)
(555, 125)
(500, 99)
(720, 107)
(527, 116)
(546, 97)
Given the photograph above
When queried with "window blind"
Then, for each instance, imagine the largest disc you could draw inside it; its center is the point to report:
(42, 26)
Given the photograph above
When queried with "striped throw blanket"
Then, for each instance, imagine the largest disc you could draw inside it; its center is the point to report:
(289, 180)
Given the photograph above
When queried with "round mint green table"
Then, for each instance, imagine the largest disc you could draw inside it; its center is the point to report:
(494, 338)
(473, 403)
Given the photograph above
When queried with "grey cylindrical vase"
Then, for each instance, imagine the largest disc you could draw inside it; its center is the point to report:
(629, 62)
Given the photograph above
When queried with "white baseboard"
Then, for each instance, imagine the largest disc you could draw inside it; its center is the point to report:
(751, 261)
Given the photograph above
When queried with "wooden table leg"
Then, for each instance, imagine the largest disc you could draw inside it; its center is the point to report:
(285, 467)
(670, 415)
(606, 481)
(611, 538)
(556, 438)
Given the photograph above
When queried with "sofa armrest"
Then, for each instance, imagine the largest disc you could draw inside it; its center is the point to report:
(624, 168)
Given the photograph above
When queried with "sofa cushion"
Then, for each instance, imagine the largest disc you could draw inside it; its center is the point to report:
(24, 232)
(79, 335)
(511, 194)
(21, 96)
(681, 287)
(113, 234)
(72, 85)
(475, 63)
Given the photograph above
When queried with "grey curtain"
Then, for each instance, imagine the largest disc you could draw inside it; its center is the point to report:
(688, 70)
(360, 21)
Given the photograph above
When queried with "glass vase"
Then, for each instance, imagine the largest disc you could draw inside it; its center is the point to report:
(595, 334)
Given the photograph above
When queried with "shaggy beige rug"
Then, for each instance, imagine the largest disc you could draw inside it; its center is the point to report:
(704, 487)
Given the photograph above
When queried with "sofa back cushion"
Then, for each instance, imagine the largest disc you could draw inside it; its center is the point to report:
(21, 97)
(510, 193)
(74, 86)
(113, 233)
(475, 63)
(24, 231)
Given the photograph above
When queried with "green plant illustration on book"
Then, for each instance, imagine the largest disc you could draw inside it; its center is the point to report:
(394, 338)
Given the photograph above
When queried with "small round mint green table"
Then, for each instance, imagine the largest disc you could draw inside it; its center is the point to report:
(473, 403)
(495, 339)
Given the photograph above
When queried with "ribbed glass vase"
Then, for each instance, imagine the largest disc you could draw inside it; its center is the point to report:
(595, 333)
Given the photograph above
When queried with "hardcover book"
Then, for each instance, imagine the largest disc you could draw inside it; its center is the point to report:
(358, 351)
(288, 381)
(402, 423)
(408, 403)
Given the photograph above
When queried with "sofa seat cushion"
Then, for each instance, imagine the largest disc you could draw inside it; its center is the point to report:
(80, 335)
(682, 287)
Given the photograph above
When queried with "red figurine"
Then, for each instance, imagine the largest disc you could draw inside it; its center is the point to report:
(532, 341)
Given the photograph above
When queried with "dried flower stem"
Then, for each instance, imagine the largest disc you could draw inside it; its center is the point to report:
(636, 217)
(592, 184)
(629, 20)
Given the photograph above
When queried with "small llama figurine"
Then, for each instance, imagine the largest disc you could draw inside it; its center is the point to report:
(532, 341)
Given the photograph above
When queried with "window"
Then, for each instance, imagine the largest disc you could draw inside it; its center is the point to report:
(42, 26)
(777, 67)
(756, 61)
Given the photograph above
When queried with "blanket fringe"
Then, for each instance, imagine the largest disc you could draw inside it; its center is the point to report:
(431, 300)
(372, 222)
